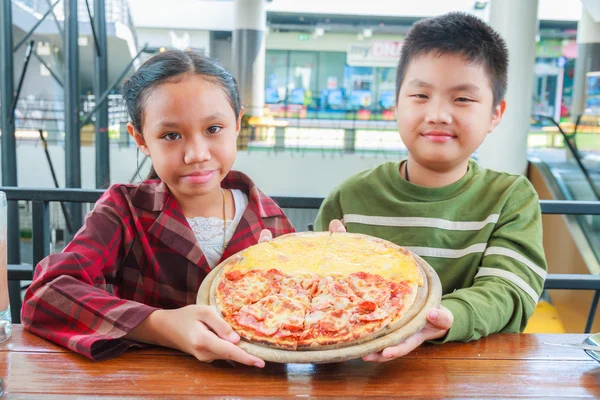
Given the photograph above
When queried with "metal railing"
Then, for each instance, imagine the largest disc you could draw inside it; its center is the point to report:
(40, 199)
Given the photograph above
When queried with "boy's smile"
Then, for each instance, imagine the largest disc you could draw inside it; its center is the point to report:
(437, 136)
(444, 111)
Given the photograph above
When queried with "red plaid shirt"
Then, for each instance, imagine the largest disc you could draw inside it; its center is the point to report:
(135, 253)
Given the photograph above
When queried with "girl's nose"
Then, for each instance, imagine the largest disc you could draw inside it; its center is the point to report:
(197, 150)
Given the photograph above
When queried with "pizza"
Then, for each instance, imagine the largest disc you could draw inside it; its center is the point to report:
(317, 291)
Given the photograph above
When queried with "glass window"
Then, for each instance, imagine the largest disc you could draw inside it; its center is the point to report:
(359, 85)
(302, 79)
(386, 88)
(301, 84)
(276, 76)
(330, 94)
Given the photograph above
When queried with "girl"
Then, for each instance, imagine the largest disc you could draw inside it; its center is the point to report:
(131, 274)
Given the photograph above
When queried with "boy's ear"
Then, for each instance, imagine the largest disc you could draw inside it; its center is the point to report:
(139, 139)
(497, 115)
(238, 124)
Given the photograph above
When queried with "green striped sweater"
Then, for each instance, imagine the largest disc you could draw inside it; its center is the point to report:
(482, 235)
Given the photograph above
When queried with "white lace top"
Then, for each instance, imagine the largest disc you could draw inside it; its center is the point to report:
(209, 230)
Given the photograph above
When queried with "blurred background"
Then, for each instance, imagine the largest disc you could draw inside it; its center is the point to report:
(317, 78)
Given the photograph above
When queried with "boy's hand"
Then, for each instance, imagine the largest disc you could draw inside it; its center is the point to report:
(439, 321)
(336, 226)
(196, 330)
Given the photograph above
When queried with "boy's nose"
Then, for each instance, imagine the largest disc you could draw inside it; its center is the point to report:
(438, 113)
(196, 151)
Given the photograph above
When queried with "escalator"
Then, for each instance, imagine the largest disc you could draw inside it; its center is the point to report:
(571, 242)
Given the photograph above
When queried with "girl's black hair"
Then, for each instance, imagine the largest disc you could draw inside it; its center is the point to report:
(168, 66)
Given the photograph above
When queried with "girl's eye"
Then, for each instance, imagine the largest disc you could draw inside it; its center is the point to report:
(213, 129)
(172, 136)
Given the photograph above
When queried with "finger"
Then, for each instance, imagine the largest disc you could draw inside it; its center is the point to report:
(209, 356)
(209, 316)
(336, 226)
(440, 318)
(229, 351)
(206, 356)
(405, 347)
(265, 236)
(376, 357)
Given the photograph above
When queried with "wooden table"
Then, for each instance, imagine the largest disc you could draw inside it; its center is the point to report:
(500, 365)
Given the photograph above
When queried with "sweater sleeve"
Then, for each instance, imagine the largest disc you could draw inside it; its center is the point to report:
(509, 280)
(330, 209)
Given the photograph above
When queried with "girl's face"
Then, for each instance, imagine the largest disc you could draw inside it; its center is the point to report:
(189, 131)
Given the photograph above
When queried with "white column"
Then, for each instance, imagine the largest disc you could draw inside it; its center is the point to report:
(505, 149)
(588, 58)
(248, 53)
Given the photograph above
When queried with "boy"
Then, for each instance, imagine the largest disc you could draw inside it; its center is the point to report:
(479, 229)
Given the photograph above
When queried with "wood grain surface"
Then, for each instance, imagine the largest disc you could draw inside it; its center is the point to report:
(501, 365)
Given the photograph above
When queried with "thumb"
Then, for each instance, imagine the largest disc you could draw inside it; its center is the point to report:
(336, 226)
(441, 318)
(265, 236)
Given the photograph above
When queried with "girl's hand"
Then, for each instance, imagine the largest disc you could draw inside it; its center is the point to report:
(196, 330)
(265, 236)
(439, 321)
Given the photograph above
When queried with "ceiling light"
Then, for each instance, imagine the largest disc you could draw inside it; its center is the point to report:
(480, 4)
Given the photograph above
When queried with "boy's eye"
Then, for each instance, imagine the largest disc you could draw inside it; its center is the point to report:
(172, 136)
(463, 99)
(213, 129)
(420, 96)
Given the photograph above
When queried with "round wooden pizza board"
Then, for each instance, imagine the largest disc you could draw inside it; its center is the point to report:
(415, 321)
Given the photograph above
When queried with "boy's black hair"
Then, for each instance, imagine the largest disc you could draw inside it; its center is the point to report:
(461, 34)
(168, 66)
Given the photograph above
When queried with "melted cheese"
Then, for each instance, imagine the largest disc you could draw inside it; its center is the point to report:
(325, 254)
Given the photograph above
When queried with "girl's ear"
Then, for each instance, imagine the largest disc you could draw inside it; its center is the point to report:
(238, 124)
(139, 139)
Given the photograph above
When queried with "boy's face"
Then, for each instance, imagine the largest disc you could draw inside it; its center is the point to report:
(444, 110)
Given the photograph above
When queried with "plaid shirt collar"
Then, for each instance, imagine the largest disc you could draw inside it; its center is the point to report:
(154, 195)
(171, 227)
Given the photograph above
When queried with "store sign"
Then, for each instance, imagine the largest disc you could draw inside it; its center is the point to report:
(376, 54)
(549, 48)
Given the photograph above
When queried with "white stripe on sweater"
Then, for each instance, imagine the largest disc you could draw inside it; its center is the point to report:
(501, 251)
(415, 222)
(447, 253)
(509, 276)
